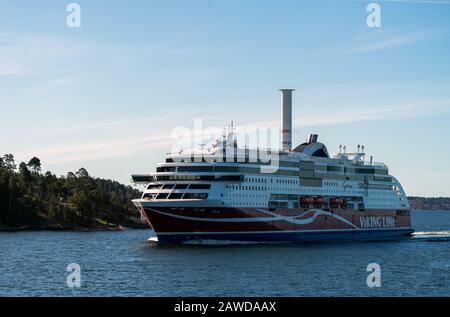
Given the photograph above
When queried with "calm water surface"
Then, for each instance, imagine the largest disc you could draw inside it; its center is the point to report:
(125, 264)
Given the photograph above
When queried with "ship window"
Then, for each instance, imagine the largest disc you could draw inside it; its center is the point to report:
(365, 171)
(167, 186)
(176, 196)
(200, 186)
(195, 196)
(154, 186)
(162, 196)
(331, 168)
(181, 186)
(166, 169)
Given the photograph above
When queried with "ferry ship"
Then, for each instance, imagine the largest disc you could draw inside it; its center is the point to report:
(231, 194)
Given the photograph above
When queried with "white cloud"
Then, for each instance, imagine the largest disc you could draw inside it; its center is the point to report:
(90, 140)
(60, 81)
(371, 113)
(24, 54)
(381, 40)
(99, 149)
(104, 143)
(442, 2)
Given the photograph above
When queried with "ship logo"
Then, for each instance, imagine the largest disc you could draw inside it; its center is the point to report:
(377, 222)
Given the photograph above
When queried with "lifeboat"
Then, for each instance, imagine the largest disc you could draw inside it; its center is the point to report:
(306, 200)
(337, 201)
(319, 200)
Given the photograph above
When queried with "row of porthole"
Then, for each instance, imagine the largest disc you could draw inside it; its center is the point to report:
(247, 204)
(246, 196)
(277, 180)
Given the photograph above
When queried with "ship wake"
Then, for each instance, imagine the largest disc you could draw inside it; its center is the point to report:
(443, 235)
(213, 242)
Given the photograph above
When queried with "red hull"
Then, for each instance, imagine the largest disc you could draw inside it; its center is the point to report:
(229, 221)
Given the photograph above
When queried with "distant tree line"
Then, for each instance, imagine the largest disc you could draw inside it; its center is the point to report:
(430, 203)
(29, 197)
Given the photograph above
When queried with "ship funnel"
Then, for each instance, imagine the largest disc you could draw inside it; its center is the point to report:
(286, 120)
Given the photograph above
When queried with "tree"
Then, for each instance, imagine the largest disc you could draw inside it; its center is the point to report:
(35, 165)
(30, 198)
(4, 195)
(11, 214)
(82, 172)
(8, 162)
(71, 176)
(24, 174)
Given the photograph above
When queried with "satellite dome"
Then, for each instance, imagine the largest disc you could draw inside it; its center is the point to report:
(316, 149)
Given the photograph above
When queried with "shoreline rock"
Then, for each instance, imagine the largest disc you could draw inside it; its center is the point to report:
(73, 228)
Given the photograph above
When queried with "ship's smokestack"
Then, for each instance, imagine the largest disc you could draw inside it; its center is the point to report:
(286, 113)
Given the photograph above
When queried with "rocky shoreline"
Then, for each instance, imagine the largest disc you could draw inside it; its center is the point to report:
(76, 228)
(429, 203)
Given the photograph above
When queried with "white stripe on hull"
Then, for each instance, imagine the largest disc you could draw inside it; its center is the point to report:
(290, 231)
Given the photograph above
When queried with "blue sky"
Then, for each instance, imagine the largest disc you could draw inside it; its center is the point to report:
(106, 96)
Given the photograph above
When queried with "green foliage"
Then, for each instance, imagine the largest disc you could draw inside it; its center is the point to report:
(35, 165)
(29, 198)
(24, 174)
(8, 162)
